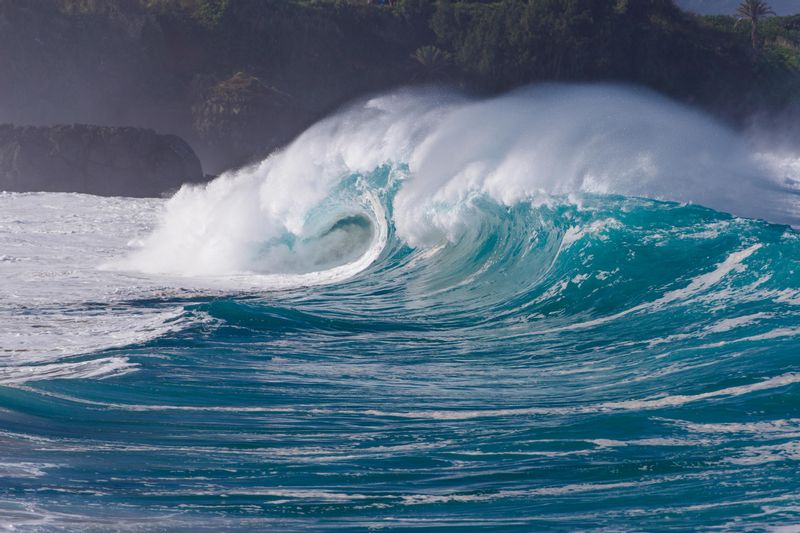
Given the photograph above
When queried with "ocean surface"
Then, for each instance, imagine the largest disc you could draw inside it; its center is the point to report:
(565, 308)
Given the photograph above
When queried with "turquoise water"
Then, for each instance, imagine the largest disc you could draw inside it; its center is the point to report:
(586, 361)
(643, 375)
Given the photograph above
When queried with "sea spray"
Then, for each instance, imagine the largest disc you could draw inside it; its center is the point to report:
(428, 312)
(443, 153)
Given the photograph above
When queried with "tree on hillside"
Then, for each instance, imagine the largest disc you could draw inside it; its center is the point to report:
(433, 61)
(753, 11)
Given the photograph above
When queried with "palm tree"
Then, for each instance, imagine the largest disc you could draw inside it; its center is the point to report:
(753, 11)
(433, 60)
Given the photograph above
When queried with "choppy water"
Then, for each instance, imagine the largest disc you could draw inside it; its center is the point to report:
(404, 323)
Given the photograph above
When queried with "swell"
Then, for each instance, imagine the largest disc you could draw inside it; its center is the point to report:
(474, 318)
(602, 352)
(479, 222)
(432, 168)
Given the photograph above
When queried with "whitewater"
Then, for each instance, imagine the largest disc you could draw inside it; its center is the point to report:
(568, 307)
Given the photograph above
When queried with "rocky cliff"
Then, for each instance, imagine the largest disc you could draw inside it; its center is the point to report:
(94, 160)
(238, 79)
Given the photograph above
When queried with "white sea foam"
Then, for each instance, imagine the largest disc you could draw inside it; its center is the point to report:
(289, 221)
(24, 470)
(91, 369)
(55, 304)
(695, 286)
(574, 488)
(667, 401)
(525, 146)
(781, 428)
(757, 455)
(575, 233)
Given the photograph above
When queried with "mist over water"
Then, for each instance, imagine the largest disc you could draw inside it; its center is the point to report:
(557, 309)
(445, 153)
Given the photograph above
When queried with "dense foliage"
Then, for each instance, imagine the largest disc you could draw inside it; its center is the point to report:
(495, 45)
(178, 65)
(498, 45)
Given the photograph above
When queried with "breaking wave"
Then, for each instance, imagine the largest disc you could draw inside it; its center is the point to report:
(556, 309)
(430, 167)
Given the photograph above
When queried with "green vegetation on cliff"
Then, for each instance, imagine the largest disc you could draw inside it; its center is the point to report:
(707, 60)
(239, 77)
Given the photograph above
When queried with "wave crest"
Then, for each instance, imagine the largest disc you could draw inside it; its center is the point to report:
(424, 163)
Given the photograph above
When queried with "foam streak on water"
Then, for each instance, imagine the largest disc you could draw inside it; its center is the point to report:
(551, 310)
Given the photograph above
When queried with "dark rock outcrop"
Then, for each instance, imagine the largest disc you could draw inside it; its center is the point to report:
(94, 160)
(242, 118)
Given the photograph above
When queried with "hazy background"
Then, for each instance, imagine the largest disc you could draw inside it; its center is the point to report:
(728, 7)
(237, 79)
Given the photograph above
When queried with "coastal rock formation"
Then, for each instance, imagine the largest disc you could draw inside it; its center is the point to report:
(94, 160)
(242, 118)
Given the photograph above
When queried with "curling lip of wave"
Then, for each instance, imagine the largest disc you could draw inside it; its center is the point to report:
(445, 152)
